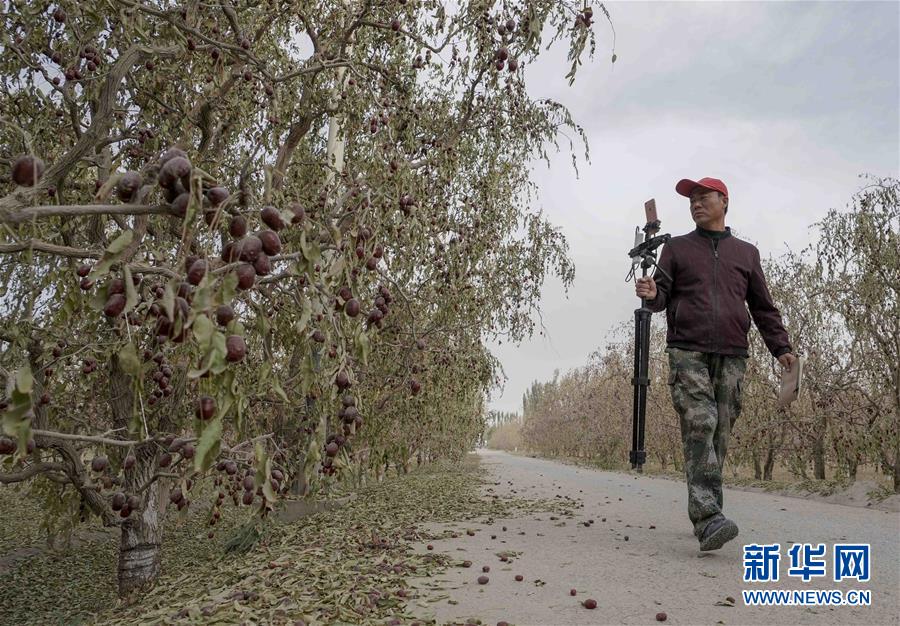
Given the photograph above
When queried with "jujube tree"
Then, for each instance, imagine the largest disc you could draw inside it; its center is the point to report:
(261, 239)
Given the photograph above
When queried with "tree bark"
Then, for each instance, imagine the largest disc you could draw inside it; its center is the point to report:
(770, 463)
(896, 466)
(819, 458)
(139, 547)
(141, 536)
(818, 450)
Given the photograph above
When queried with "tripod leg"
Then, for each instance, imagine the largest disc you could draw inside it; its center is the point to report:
(644, 381)
(636, 419)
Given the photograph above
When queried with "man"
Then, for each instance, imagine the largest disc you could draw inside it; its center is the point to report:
(713, 274)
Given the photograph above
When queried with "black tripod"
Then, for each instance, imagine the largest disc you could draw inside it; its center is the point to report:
(646, 252)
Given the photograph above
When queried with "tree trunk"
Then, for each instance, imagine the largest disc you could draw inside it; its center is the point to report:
(896, 466)
(676, 461)
(819, 458)
(770, 463)
(757, 468)
(818, 450)
(139, 545)
(299, 485)
(361, 472)
(139, 548)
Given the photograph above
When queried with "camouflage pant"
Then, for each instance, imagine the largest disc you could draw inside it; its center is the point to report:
(706, 392)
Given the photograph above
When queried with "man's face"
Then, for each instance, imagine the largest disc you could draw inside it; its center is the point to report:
(707, 207)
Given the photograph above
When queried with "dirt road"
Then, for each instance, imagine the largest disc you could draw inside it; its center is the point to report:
(643, 559)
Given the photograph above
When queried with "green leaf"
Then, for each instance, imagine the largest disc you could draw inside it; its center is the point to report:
(334, 231)
(217, 363)
(263, 325)
(265, 371)
(121, 242)
(279, 391)
(169, 300)
(99, 297)
(310, 249)
(24, 380)
(71, 303)
(195, 198)
(131, 296)
(17, 416)
(304, 247)
(107, 187)
(305, 315)
(203, 295)
(229, 287)
(212, 343)
(203, 330)
(305, 385)
(111, 254)
(338, 266)
(194, 373)
(240, 408)
(209, 444)
(308, 374)
(129, 361)
(363, 347)
(227, 404)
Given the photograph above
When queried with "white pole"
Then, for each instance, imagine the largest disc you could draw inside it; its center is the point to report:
(335, 143)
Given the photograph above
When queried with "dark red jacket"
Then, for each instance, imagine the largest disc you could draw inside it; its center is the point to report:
(714, 275)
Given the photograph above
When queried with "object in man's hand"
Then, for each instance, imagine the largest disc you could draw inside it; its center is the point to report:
(650, 211)
(790, 383)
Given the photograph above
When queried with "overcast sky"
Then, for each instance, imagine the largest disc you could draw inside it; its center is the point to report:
(786, 102)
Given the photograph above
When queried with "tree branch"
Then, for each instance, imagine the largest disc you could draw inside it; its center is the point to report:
(91, 438)
(43, 246)
(286, 151)
(31, 471)
(41, 212)
(101, 121)
(138, 268)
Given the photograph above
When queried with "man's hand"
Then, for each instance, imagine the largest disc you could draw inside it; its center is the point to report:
(645, 287)
(787, 360)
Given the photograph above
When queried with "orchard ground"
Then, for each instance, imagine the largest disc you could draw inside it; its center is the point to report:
(369, 562)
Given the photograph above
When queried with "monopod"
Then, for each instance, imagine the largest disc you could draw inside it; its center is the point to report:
(643, 253)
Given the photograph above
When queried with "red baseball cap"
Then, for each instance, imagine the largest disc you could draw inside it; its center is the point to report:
(686, 186)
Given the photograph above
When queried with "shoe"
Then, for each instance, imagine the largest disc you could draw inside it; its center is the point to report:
(717, 533)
